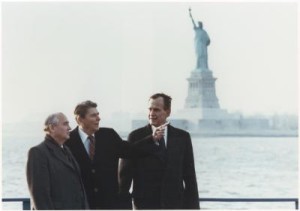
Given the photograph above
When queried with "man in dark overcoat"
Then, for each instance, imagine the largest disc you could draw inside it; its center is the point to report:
(167, 179)
(97, 150)
(53, 175)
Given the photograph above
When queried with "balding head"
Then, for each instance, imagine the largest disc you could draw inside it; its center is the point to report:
(57, 126)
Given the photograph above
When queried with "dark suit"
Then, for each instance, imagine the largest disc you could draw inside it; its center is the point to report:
(53, 178)
(100, 176)
(162, 182)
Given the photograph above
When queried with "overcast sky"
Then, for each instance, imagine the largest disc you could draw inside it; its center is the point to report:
(57, 54)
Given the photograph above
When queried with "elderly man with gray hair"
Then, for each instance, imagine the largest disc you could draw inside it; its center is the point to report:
(53, 175)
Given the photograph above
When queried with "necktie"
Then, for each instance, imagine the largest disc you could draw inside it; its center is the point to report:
(162, 144)
(162, 149)
(92, 147)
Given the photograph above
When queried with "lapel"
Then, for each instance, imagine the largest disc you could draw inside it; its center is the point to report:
(158, 154)
(81, 151)
(173, 143)
(148, 130)
(75, 164)
(57, 152)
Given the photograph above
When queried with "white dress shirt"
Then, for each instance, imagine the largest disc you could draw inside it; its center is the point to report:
(165, 135)
(85, 139)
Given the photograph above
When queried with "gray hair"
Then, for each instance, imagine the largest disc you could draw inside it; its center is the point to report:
(52, 119)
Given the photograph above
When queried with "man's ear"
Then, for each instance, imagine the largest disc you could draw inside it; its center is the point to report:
(168, 111)
(51, 128)
(78, 119)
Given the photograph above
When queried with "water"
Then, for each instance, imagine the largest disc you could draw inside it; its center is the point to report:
(247, 168)
(231, 167)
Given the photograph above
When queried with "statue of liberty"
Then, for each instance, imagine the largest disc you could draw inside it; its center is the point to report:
(201, 42)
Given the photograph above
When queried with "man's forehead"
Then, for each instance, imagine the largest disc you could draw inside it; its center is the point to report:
(156, 102)
(92, 111)
(62, 118)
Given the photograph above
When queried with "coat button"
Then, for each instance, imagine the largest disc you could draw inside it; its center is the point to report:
(96, 190)
(93, 170)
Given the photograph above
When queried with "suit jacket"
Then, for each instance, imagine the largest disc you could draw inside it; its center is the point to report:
(53, 178)
(100, 176)
(171, 183)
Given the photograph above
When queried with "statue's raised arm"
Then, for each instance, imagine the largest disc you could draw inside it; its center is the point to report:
(190, 11)
(201, 42)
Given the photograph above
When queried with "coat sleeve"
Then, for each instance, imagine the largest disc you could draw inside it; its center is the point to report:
(38, 179)
(191, 196)
(134, 148)
(125, 176)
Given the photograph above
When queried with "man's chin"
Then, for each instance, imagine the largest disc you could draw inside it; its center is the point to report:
(153, 123)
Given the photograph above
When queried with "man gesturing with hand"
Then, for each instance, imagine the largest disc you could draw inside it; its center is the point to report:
(167, 179)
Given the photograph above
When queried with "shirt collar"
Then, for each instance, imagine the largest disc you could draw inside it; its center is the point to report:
(83, 135)
(166, 131)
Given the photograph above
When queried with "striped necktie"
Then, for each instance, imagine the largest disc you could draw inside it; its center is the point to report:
(92, 147)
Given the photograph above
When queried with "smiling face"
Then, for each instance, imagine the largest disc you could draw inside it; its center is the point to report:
(157, 113)
(90, 122)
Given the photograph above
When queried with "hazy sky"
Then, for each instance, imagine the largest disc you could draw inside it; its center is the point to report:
(57, 54)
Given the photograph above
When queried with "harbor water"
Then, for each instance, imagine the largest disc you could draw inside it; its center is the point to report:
(226, 167)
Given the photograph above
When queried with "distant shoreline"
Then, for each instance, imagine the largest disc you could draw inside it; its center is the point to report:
(242, 135)
(271, 133)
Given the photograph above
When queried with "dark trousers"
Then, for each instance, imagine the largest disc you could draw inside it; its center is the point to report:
(147, 203)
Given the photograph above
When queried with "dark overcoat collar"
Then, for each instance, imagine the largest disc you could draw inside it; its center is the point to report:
(57, 151)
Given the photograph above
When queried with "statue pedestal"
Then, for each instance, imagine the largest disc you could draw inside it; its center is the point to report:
(195, 114)
(201, 91)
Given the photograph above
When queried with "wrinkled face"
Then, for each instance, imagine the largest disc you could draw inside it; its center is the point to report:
(90, 123)
(61, 131)
(157, 114)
